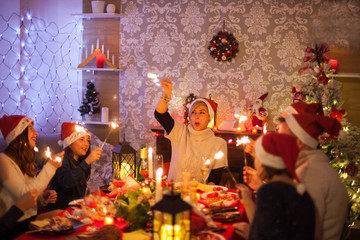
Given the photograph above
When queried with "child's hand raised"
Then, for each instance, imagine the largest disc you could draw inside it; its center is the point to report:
(94, 156)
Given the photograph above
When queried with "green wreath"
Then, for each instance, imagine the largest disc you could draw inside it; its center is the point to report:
(223, 46)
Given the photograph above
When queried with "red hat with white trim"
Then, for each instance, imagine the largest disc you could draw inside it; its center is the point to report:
(278, 151)
(70, 132)
(13, 125)
(308, 127)
(211, 105)
(302, 107)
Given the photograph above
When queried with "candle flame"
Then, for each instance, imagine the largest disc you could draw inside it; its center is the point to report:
(47, 152)
(154, 77)
(150, 150)
(219, 155)
(243, 140)
(265, 129)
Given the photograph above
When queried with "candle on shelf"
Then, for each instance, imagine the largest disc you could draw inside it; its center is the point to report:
(151, 163)
(92, 48)
(107, 54)
(104, 114)
(102, 48)
(97, 44)
(112, 59)
(158, 187)
(86, 53)
(108, 220)
(100, 60)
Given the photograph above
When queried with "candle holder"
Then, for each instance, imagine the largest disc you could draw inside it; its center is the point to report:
(171, 218)
(124, 160)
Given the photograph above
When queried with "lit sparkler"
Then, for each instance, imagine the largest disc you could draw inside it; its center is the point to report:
(154, 77)
(113, 126)
(244, 140)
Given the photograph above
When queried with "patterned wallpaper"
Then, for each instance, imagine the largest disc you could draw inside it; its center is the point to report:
(170, 39)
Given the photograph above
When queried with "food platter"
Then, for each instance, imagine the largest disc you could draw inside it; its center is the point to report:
(219, 199)
(56, 226)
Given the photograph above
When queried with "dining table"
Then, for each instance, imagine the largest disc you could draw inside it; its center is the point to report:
(224, 230)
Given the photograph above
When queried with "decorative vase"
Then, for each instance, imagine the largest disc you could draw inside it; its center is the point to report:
(97, 6)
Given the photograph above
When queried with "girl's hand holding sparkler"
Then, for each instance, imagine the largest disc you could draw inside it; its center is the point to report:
(250, 147)
(251, 178)
(165, 98)
(55, 160)
(94, 156)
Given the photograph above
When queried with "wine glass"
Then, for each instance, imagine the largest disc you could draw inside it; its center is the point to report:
(205, 170)
(158, 163)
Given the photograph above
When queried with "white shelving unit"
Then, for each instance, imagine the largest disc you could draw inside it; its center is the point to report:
(96, 15)
(93, 69)
(100, 123)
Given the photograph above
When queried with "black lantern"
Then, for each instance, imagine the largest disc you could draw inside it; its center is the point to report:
(171, 218)
(124, 160)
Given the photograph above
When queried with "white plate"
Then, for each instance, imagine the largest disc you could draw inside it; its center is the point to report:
(219, 188)
(207, 195)
(210, 235)
(219, 199)
(76, 202)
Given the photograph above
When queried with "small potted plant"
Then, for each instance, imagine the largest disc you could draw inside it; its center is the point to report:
(91, 103)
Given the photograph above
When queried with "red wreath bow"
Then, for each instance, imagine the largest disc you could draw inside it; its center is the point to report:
(337, 114)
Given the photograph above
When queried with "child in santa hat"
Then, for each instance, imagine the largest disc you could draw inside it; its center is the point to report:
(192, 145)
(70, 180)
(284, 210)
(320, 178)
(18, 169)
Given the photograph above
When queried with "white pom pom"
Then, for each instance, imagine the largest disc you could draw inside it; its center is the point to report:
(223, 58)
(300, 188)
(60, 143)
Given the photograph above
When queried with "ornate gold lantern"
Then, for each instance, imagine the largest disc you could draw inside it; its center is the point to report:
(124, 160)
(171, 218)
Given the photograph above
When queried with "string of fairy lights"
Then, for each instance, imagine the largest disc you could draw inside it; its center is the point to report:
(36, 70)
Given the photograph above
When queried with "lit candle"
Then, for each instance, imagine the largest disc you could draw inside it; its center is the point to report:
(265, 128)
(108, 220)
(125, 169)
(151, 163)
(107, 54)
(97, 44)
(254, 131)
(158, 187)
(92, 48)
(100, 60)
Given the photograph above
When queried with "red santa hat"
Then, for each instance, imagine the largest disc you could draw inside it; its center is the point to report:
(308, 127)
(70, 132)
(211, 105)
(302, 107)
(13, 125)
(278, 151)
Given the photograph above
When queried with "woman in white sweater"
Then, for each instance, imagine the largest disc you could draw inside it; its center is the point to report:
(192, 145)
(17, 165)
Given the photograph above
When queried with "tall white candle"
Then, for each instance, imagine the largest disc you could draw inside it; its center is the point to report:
(97, 44)
(102, 48)
(107, 54)
(158, 187)
(112, 59)
(92, 48)
(151, 163)
(104, 114)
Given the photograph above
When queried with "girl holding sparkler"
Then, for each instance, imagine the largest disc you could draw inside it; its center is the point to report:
(18, 167)
(70, 179)
(194, 144)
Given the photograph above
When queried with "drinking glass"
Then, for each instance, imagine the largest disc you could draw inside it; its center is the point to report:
(158, 163)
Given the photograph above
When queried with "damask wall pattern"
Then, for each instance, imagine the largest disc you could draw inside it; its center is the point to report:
(170, 39)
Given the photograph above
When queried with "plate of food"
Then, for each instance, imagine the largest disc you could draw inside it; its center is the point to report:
(207, 188)
(219, 199)
(76, 202)
(55, 226)
(226, 217)
(208, 235)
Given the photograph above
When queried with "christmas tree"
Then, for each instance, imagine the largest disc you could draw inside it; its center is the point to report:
(91, 103)
(317, 85)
